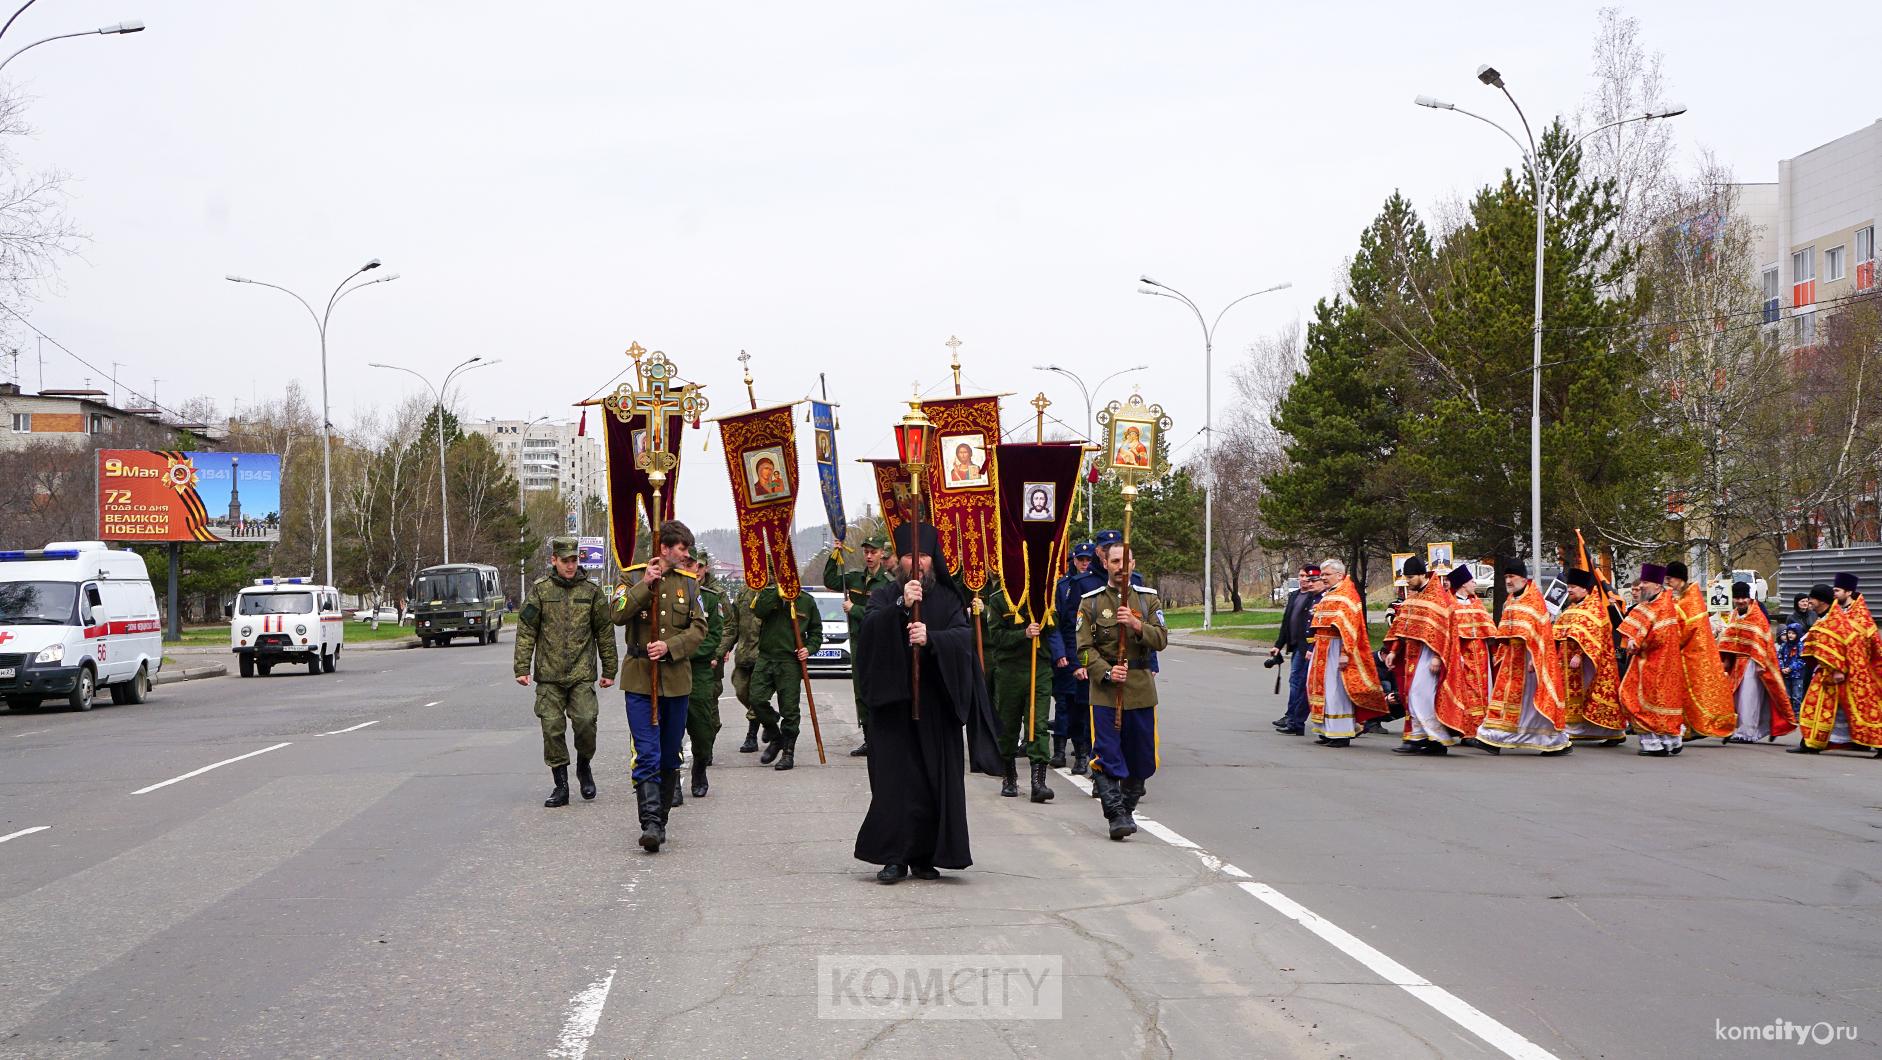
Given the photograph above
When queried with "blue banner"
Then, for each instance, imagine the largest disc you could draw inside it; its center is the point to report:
(823, 424)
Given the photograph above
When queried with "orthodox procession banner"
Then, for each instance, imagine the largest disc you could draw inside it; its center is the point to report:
(154, 495)
(963, 482)
(823, 422)
(894, 495)
(1037, 484)
(630, 493)
(761, 460)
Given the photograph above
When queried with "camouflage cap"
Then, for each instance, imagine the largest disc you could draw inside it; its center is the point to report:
(564, 547)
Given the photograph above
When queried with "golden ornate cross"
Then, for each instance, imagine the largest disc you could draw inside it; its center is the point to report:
(954, 344)
(1042, 404)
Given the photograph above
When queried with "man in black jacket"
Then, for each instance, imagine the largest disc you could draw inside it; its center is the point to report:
(1295, 639)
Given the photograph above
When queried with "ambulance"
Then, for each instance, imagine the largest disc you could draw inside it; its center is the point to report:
(286, 620)
(77, 616)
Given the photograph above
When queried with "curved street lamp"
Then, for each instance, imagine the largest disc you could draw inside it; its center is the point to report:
(1540, 174)
(127, 26)
(438, 392)
(1090, 394)
(326, 417)
(1164, 290)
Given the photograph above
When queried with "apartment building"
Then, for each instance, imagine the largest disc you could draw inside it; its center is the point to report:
(1817, 231)
(544, 455)
(71, 416)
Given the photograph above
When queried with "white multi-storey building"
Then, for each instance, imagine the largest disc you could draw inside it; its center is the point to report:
(549, 454)
(1816, 229)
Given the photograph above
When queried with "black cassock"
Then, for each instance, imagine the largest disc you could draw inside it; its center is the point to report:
(917, 790)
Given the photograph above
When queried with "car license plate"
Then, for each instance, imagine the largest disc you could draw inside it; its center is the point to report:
(828, 653)
(6, 672)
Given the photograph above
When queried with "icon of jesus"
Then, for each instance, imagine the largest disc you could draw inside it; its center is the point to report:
(963, 469)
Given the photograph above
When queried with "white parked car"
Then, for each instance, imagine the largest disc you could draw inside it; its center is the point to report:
(77, 616)
(382, 614)
(280, 620)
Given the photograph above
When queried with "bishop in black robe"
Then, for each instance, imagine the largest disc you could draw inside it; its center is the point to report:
(917, 819)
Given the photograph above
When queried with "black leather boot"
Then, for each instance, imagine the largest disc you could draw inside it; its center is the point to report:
(699, 778)
(669, 790)
(1009, 782)
(1058, 753)
(1040, 793)
(787, 758)
(750, 746)
(560, 796)
(586, 777)
(774, 745)
(1111, 797)
(1081, 760)
(1132, 789)
(861, 750)
(647, 797)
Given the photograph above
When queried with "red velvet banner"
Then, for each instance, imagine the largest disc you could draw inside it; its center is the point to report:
(1038, 484)
(630, 495)
(963, 483)
(761, 461)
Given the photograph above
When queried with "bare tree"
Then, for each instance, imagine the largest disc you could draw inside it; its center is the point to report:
(1248, 448)
(35, 233)
(1637, 156)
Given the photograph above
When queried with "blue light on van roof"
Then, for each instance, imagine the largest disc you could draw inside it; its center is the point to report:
(61, 553)
(281, 581)
(14, 555)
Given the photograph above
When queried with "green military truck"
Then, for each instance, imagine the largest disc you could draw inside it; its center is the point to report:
(457, 600)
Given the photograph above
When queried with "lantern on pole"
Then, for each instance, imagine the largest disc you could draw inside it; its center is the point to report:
(912, 439)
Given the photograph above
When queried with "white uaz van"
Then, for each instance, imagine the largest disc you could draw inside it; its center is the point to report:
(76, 616)
(280, 620)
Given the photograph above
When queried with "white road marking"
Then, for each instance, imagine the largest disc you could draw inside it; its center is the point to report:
(24, 831)
(207, 768)
(350, 728)
(584, 1015)
(434, 702)
(30, 732)
(1459, 1011)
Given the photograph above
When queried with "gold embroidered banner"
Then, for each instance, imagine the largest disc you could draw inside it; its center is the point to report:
(630, 495)
(893, 494)
(963, 483)
(761, 460)
(1037, 485)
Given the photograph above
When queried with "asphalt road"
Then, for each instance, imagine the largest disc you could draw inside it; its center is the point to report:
(378, 877)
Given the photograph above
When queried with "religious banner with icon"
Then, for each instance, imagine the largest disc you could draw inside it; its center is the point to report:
(894, 495)
(630, 493)
(761, 460)
(823, 422)
(963, 477)
(1037, 485)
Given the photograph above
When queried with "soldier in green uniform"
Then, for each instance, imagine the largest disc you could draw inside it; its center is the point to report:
(1022, 690)
(856, 587)
(660, 584)
(702, 710)
(1124, 755)
(563, 625)
(744, 652)
(779, 670)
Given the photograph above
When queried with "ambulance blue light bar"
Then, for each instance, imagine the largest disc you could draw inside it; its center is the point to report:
(15, 555)
(275, 581)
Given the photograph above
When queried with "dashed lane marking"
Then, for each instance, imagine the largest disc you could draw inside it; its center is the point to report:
(1454, 1008)
(24, 831)
(207, 768)
(350, 728)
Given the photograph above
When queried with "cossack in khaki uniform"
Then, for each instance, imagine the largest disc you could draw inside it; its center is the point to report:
(1097, 645)
(563, 627)
(682, 625)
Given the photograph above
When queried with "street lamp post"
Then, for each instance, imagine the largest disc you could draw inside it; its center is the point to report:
(1208, 427)
(438, 393)
(1090, 394)
(326, 416)
(522, 505)
(127, 26)
(1540, 178)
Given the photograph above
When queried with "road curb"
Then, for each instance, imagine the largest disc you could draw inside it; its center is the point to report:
(190, 673)
(1210, 645)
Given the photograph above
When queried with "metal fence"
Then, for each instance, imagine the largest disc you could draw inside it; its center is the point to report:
(1798, 571)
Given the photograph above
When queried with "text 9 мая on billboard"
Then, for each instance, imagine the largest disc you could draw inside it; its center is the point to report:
(147, 495)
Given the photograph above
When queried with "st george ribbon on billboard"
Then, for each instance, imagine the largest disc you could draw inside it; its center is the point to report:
(157, 495)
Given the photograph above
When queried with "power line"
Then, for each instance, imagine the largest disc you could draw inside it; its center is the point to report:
(151, 402)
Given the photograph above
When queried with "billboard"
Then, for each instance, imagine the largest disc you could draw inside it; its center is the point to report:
(594, 553)
(149, 495)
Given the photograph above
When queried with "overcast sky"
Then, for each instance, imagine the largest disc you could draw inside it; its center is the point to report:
(833, 187)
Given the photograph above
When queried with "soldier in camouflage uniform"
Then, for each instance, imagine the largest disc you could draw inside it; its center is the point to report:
(856, 585)
(743, 647)
(779, 671)
(563, 625)
(659, 593)
(702, 710)
(1016, 655)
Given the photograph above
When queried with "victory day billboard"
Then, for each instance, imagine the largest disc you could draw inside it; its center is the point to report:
(146, 495)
